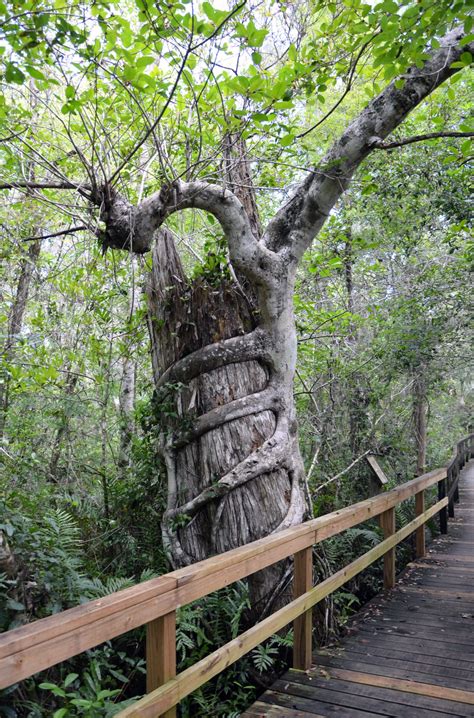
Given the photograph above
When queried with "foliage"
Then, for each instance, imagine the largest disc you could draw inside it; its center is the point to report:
(133, 94)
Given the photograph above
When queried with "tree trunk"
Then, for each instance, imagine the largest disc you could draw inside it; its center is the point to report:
(184, 317)
(18, 307)
(420, 407)
(127, 396)
(63, 429)
(357, 391)
(15, 323)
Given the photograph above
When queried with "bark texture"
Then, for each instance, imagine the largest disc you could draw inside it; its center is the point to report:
(225, 419)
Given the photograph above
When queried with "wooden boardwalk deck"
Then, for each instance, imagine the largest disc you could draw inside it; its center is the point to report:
(409, 653)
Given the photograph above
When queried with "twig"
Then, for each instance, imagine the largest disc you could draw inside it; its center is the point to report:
(56, 234)
(341, 473)
(378, 144)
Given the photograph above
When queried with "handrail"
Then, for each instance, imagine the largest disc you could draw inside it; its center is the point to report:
(48, 641)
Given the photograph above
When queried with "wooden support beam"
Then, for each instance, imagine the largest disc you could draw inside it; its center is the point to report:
(377, 469)
(161, 654)
(443, 514)
(303, 625)
(387, 524)
(420, 531)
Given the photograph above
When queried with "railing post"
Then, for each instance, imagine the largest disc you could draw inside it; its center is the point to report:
(303, 625)
(443, 514)
(451, 480)
(420, 531)
(161, 654)
(387, 524)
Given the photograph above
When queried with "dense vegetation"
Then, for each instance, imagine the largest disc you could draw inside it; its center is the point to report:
(122, 98)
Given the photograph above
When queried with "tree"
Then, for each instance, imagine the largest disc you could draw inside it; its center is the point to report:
(224, 345)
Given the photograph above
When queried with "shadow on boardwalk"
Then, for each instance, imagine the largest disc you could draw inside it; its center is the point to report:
(409, 653)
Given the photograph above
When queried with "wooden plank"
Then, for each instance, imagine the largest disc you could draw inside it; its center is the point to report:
(41, 644)
(342, 694)
(377, 469)
(313, 706)
(398, 684)
(386, 665)
(387, 524)
(192, 678)
(420, 620)
(260, 710)
(418, 661)
(437, 592)
(420, 532)
(386, 701)
(303, 625)
(78, 633)
(416, 646)
(447, 636)
(161, 654)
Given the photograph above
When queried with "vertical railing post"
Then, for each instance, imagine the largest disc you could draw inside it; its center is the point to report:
(420, 531)
(456, 469)
(451, 480)
(387, 524)
(161, 654)
(443, 514)
(303, 625)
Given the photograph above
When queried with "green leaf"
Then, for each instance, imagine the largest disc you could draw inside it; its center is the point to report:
(466, 147)
(60, 713)
(81, 702)
(14, 74)
(35, 73)
(56, 690)
(256, 58)
(70, 92)
(15, 605)
(287, 140)
(70, 678)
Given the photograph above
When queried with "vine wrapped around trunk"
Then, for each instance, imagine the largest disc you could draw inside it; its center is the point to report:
(231, 453)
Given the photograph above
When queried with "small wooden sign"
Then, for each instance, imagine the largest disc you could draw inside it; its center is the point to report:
(377, 469)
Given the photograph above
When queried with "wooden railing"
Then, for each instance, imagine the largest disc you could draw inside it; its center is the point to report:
(44, 643)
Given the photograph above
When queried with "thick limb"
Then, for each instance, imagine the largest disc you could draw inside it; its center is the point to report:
(297, 223)
(246, 405)
(229, 351)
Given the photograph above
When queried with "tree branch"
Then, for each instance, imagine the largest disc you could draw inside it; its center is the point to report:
(56, 234)
(133, 228)
(229, 351)
(378, 144)
(44, 185)
(265, 400)
(341, 473)
(344, 94)
(296, 224)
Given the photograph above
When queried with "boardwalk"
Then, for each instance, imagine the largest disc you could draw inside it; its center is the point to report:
(410, 653)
